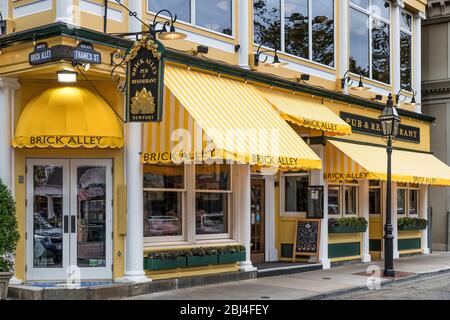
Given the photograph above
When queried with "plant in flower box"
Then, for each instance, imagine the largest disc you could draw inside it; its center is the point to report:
(347, 225)
(202, 257)
(231, 254)
(165, 260)
(411, 223)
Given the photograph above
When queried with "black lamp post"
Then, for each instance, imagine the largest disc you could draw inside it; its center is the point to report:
(389, 122)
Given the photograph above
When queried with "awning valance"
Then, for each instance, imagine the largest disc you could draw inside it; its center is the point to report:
(68, 117)
(222, 118)
(350, 161)
(306, 112)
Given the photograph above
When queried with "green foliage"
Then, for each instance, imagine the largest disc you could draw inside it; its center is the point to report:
(9, 235)
(207, 251)
(347, 222)
(412, 222)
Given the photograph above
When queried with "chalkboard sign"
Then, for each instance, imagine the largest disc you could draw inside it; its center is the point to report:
(307, 237)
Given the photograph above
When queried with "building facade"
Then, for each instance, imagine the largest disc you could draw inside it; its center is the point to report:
(435, 101)
(279, 113)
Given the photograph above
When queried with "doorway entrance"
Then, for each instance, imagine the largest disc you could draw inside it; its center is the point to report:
(257, 221)
(69, 219)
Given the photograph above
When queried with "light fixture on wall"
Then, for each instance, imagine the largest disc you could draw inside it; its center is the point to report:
(163, 34)
(67, 76)
(276, 63)
(412, 102)
(348, 81)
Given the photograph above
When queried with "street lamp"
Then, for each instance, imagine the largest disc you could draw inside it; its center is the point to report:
(390, 123)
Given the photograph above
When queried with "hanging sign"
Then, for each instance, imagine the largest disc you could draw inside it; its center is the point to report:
(85, 53)
(41, 54)
(307, 238)
(372, 126)
(145, 81)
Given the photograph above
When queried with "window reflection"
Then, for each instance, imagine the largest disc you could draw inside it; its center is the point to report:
(212, 177)
(359, 43)
(380, 51)
(362, 3)
(182, 8)
(405, 60)
(381, 8)
(401, 201)
(351, 200)
(162, 213)
(413, 202)
(164, 176)
(296, 193)
(406, 21)
(323, 32)
(296, 28)
(334, 201)
(211, 213)
(215, 15)
(267, 23)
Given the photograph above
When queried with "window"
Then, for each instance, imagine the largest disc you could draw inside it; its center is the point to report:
(370, 39)
(308, 30)
(407, 199)
(213, 192)
(347, 190)
(374, 197)
(215, 15)
(406, 50)
(163, 200)
(296, 192)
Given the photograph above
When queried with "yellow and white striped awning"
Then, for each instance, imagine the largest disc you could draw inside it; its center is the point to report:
(225, 119)
(351, 161)
(306, 112)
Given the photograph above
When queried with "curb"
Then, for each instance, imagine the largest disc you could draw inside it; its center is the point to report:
(387, 283)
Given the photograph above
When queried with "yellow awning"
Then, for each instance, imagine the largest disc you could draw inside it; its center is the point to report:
(306, 112)
(349, 161)
(68, 117)
(241, 125)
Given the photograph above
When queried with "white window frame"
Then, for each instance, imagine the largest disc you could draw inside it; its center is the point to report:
(409, 187)
(310, 43)
(341, 185)
(372, 16)
(192, 23)
(411, 34)
(229, 192)
(184, 225)
(283, 192)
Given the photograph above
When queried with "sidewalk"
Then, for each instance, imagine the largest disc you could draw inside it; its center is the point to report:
(309, 285)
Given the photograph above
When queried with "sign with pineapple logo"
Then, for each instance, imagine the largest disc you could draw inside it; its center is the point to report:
(145, 81)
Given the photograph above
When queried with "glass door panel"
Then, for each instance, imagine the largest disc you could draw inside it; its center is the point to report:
(257, 221)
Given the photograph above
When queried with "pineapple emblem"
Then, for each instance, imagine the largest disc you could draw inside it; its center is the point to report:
(143, 102)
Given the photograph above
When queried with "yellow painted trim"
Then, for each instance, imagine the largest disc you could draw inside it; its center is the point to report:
(189, 272)
(409, 234)
(411, 251)
(344, 237)
(346, 258)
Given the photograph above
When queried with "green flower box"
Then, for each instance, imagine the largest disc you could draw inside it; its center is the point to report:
(162, 264)
(347, 229)
(197, 261)
(232, 257)
(411, 228)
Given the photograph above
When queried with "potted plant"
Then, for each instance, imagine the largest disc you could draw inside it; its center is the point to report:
(408, 223)
(165, 260)
(202, 257)
(231, 254)
(9, 236)
(347, 225)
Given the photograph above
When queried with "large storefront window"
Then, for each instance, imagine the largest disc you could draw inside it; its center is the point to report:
(163, 200)
(374, 197)
(308, 28)
(370, 39)
(215, 15)
(296, 193)
(407, 199)
(406, 51)
(348, 191)
(213, 188)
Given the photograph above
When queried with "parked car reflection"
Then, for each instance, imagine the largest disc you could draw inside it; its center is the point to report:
(48, 241)
(163, 225)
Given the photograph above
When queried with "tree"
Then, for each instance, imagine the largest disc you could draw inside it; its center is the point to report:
(9, 235)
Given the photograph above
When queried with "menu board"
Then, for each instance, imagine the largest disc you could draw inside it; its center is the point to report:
(307, 237)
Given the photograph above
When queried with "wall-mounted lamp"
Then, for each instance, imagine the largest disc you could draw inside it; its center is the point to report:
(347, 81)
(67, 76)
(163, 34)
(303, 77)
(377, 97)
(413, 99)
(276, 63)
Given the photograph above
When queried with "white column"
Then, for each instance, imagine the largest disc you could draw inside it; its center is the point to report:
(134, 247)
(417, 59)
(271, 252)
(316, 177)
(64, 11)
(364, 213)
(423, 203)
(397, 5)
(7, 87)
(343, 53)
(243, 33)
(394, 218)
(243, 212)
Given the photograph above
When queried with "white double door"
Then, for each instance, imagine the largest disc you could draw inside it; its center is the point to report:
(69, 219)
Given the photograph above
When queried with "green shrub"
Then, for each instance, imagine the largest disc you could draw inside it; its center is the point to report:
(9, 235)
(201, 251)
(412, 222)
(347, 222)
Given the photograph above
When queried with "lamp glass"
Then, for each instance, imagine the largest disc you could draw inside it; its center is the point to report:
(66, 76)
(172, 34)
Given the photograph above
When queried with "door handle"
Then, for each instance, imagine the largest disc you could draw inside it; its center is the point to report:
(66, 224)
(72, 224)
